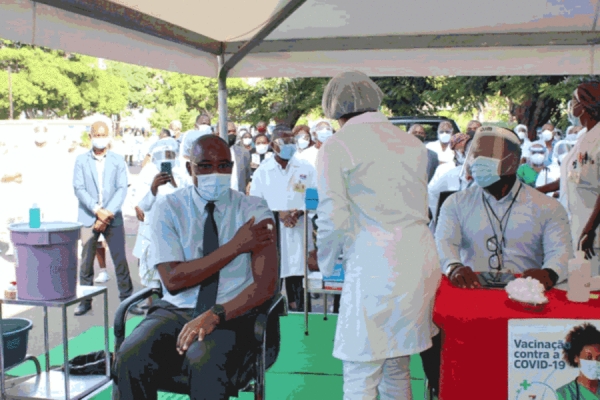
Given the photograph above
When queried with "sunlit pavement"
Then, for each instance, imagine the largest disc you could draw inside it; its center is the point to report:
(77, 325)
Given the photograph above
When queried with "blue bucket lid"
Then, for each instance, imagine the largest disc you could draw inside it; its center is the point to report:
(45, 227)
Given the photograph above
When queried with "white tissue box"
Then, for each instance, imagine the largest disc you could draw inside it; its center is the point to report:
(315, 280)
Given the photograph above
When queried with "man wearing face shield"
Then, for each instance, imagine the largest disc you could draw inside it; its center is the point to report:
(100, 183)
(154, 184)
(579, 178)
(442, 145)
(373, 209)
(215, 254)
(282, 181)
(501, 224)
(528, 172)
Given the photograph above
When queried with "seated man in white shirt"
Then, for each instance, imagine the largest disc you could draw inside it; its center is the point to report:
(212, 238)
(500, 223)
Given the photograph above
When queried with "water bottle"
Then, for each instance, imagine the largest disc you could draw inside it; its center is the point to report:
(35, 217)
(580, 274)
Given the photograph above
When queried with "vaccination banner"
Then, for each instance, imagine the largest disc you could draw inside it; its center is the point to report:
(537, 366)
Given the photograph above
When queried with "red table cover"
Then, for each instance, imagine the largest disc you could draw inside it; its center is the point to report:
(475, 336)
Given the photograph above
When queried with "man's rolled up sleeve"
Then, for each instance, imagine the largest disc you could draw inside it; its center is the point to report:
(557, 242)
(448, 234)
(333, 210)
(165, 244)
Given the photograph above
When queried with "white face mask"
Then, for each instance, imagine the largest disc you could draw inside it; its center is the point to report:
(247, 141)
(262, 148)
(324, 134)
(485, 171)
(302, 143)
(100, 143)
(212, 186)
(546, 136)
(590, 369)
(521, 135)
(538, 159)
(444, 137)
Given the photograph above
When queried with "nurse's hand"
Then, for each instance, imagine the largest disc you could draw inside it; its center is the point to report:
(464, 277)
(587, 244)
(540, 275)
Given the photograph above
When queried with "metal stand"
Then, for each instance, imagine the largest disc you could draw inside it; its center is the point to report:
(57, 384)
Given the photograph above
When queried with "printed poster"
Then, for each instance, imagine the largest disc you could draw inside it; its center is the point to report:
(537, 365)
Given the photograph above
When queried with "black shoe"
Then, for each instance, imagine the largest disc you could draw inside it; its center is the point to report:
(136, 310)
(83, 308)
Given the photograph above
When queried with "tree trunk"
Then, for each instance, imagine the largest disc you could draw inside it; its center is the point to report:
(534, 112)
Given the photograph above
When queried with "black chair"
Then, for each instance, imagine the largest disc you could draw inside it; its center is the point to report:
(252, 376)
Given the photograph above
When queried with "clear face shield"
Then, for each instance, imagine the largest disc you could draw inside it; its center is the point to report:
(162, 155)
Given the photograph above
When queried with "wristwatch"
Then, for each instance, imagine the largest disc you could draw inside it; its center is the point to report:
(219, 311)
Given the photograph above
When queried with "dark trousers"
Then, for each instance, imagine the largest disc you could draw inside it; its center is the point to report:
(295, 292)
(432, 359)
(148, 357)
(115, 239)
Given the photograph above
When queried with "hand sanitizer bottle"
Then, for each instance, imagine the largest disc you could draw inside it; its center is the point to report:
(580, 273)
(35, 217)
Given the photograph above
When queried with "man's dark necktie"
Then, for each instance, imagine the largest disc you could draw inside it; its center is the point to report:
(207, 296)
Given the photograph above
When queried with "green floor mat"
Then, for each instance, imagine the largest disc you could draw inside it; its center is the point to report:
(305, 368)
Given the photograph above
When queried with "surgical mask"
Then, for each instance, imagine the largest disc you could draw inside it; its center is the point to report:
(100, 143)
(286, 152)
(444, 137)
(571, 137)
(485, 171)
(581, 132)
(590, 369)
(262, 148)
(575, 121)
(561, 158)
(522, 135)
(538, 159)
(546, 136)
(324, 134)
(212, 186)
(247, 141)
(460, 158)
(302, 143)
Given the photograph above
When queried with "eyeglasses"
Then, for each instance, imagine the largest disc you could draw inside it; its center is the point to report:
(494, 260)
(206, 168)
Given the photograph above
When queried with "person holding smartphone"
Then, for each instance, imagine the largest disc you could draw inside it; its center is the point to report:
(158, 178)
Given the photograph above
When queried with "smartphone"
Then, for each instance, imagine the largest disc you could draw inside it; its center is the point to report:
(165, 167)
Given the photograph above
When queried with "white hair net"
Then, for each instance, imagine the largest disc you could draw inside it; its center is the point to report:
(191, 137)
(162, 146)
(350, 92)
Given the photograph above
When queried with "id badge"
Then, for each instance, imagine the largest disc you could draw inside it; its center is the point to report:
(299, 187)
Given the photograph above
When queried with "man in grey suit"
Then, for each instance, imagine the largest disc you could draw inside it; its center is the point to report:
(432, 157)
(241, 157)
(100, 183)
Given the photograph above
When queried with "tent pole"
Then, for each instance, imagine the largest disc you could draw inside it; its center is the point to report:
(222, 98)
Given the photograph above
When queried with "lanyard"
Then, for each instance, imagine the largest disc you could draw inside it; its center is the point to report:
(506, 214)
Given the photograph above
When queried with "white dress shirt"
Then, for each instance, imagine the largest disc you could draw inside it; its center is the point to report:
(372, 185)
(536, 230)
(100, 163)
(450, 181)
(284, 190)
(176, 234)
(444, 156)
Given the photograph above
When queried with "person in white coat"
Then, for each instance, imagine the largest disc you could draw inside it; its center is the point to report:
(373, 206)
(442, 145)
(579, 182)
(153, 185)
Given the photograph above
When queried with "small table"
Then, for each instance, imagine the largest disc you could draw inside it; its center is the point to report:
(474, 324)
(57, 384)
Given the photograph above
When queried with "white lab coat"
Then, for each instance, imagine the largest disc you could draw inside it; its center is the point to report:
(373, 205)
(146, 201)
(284, 190)
(580, 186)
(444, 156)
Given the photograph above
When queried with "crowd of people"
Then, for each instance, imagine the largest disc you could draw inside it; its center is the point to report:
(400, 214)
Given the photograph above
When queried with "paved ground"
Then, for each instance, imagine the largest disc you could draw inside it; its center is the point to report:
(76, 325)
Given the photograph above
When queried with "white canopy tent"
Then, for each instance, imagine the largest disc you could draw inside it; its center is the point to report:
(304, 38)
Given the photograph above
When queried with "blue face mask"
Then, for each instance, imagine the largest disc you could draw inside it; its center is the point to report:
(485, 171)
(286, 152)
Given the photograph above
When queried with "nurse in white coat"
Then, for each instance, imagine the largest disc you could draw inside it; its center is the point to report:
(373, 206)
(580, 174)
